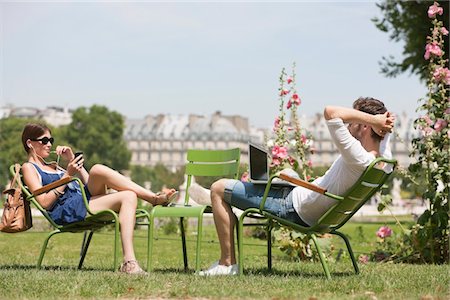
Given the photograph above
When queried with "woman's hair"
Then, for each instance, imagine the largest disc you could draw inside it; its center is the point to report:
(371, 106)
(32, 131)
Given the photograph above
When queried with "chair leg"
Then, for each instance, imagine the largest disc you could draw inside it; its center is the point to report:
(44, 247)
(269, 244)
(151, 228)
(240, 237)
(84, 248)
(349, 248)
(322, 258)
(183, 241)
(116, 241)
(199, 242)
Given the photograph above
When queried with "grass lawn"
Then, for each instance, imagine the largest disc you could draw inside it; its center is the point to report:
(290, 280)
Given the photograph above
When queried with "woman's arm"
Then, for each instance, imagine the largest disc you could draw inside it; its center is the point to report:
(33, 182)
(381, 124)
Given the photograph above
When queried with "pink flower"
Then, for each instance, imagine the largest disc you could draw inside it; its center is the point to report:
(289, 80)
(444, 31)
(275, 162)
(364, 259)
(435, 9)
(284, 92)
(310, 163)
(296, 99)
(442, 74)
(277, 123)
(303, 139)
(279, 152)
(427, 131)
(447, 111)
(244, 177)
(384, 232)
(427, 119)
(289, 104)
(440, 124)
(432, 48)
(291, 160)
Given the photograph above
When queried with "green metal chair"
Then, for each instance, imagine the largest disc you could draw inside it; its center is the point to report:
(346, 206)
(90, 224)
(223, 163)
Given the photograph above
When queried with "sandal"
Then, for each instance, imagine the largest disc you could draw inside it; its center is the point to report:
(168, 199)
(131, 267)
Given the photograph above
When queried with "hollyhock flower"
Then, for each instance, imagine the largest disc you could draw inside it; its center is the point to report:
(310, 163)
(444, 31)
(279, 152)
(384, 232)
(364, 259)
(427, 119)
(244, 177)
(275, 162)
(277, 123)
(427, 131)
(442, 74)
(289, 80)
(284, 92)
(434, 49)
(296, 99)
(304, 139)
(434, 10)
(289, 104)
(447, 111)
(440, 124)
(291, 160)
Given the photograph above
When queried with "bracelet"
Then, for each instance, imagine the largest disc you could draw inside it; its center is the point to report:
(57, 193)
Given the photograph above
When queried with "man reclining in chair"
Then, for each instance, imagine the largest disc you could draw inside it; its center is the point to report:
(358, 144)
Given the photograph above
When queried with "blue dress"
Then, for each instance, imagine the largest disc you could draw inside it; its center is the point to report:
(69, 207)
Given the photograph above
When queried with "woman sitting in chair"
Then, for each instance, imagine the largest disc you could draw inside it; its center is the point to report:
(358, 144)
(65, 203)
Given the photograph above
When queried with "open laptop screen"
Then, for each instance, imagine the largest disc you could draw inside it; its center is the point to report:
(258, 164)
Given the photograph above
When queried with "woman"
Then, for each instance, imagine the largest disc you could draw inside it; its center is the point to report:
(65, 203)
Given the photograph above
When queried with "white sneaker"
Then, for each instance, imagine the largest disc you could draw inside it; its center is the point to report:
(217, 270)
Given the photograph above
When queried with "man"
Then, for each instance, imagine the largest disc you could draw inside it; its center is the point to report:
(358, 145)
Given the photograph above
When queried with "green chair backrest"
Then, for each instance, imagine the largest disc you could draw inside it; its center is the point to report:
(211, 163)
(368, 184)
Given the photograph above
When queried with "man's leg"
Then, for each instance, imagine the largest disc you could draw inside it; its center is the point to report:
(224, 220)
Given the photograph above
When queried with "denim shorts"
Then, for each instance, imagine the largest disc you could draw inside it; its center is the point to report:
(245, 195)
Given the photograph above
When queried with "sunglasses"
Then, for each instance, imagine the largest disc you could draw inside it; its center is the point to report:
(44, 140)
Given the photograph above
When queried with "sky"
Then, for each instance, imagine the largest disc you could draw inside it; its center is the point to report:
(180, 57)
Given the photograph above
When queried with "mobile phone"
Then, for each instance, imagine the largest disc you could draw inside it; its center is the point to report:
(78, 153)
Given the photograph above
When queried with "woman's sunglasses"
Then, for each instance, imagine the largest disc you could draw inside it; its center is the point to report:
(44, 140)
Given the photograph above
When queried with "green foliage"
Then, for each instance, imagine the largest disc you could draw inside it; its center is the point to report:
(159, 176)
(430, 235)
(407, 21)
(299, 247)
(207, 181)
(11, 149)
(98, 132)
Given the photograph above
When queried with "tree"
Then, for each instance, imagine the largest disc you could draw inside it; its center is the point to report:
(98, 132)
(11, 149)
(408, 21)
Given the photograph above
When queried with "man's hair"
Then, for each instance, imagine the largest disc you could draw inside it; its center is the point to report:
(32, 131)
(371, 106)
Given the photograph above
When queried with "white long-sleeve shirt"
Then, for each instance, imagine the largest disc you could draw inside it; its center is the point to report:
(342, 174)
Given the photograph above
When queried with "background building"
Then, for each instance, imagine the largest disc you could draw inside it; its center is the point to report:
(166, 138)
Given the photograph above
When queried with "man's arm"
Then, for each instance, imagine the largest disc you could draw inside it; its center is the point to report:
(381, 124)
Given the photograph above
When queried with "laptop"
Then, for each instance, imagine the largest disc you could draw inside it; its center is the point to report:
(259, 166)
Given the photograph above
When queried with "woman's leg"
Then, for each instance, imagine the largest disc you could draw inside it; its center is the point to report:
(101, 177)
(224, 219)
(124, 202)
